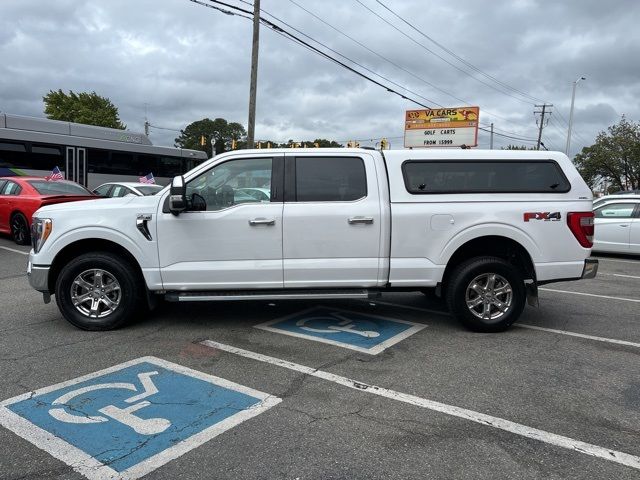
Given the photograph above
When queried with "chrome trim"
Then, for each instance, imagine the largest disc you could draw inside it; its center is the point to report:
(262, 221)
(39, 277)
(590, 269)
(266, 296)
(141, 225)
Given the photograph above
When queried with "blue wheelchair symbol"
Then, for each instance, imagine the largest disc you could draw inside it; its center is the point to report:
(128, 420)
(357, 331)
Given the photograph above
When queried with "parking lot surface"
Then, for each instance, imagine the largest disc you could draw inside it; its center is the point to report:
(277, 390)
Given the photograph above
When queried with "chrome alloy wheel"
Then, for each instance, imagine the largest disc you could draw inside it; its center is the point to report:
(489, 296)
(95, 293)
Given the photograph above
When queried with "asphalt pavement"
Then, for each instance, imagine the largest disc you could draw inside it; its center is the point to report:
(555, 397)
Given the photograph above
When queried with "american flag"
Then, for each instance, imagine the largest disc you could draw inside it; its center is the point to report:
(147, 179)
(56, 174)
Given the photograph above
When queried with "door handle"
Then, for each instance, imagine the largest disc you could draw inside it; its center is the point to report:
(624, 225)
(262, 221)
(365, 220)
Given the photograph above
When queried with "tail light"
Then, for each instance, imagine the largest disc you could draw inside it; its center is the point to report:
(581, 225)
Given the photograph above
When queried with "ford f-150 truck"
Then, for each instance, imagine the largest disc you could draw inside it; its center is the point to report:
(482, 229)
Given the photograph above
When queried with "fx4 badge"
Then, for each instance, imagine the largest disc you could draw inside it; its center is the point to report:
(546, 216)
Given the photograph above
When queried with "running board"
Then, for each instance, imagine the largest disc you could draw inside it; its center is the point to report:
(208, 296)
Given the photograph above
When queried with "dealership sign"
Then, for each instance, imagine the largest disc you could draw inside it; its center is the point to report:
(441, 127)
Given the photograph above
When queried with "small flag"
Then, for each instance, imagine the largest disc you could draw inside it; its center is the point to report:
(147, 179)
(56, 174)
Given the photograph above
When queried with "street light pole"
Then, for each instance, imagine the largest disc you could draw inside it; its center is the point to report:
(573, 97)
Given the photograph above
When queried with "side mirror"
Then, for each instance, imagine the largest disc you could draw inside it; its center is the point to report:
(177, 195)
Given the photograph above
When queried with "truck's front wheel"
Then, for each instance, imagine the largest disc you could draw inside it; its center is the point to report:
(97, 291)
(487, 294)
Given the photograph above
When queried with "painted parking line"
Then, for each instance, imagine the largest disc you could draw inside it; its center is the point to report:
(14, 250)
(609, 297)
(356, 331)
(617, 260)
(452, 410)
(618, 275)
(127, 420)
(579, 335)
(523, 325)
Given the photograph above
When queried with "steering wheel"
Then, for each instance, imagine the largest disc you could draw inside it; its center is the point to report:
(226, 196)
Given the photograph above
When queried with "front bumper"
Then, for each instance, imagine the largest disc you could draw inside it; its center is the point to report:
(590, 268)
(38, 275)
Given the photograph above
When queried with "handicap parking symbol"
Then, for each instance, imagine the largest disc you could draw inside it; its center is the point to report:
(357, 331)
(130, 419)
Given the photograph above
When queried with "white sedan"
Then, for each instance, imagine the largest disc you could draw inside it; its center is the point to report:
(617, 226)
(122, 189)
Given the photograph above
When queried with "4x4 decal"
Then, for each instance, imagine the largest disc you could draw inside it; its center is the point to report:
(546, 216)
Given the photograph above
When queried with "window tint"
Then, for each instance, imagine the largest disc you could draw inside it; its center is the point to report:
(98, 161)
(147, 164)
(2, 183)
(11, 188)
(616, 210)
(13, 155)
(102, 190)
(223, 186)
(330, 179)
(171, 166)
(44, 187)
(424, 176)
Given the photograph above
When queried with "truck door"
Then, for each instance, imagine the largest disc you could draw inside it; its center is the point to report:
(227, 238)
(332, 221)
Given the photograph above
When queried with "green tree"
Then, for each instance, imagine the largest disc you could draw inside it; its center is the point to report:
(87, 108)
(218, 130)
(615, 157)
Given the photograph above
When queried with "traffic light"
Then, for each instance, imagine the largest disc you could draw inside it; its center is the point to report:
(384, 144)
(353, 144)
(203, 140)
(258, 145)
(316, 144)
(233, 144)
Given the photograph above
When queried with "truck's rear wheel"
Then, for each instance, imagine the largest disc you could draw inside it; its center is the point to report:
(487, 294)
(98, 291)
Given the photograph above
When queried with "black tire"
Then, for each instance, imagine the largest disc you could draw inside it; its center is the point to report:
(503, 308)
(111, 266)
(20, 229)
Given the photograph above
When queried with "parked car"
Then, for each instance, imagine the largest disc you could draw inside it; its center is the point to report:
(122, 189)
(21, 196)
(482, 228)
(617, 226)
(609, 198)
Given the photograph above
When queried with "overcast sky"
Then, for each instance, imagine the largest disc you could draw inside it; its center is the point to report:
(186, 62)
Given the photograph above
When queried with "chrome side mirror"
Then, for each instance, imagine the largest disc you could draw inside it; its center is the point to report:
(178, 195)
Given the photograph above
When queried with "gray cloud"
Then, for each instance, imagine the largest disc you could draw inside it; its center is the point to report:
(186, 62)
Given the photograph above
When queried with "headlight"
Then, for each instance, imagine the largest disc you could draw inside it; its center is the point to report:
(40, 231)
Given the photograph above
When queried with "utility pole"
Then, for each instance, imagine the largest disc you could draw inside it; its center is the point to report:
(542, 124)
(254, 74)
(146, 121)
(491, 143)
(573, 98)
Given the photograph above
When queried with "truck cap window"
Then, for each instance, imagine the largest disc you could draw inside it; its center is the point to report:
(327, 179)
(484, 176)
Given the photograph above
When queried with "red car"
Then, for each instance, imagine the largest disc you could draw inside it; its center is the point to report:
(21, 196)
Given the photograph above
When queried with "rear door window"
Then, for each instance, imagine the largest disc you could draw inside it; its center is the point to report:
(484, 176)
(330, 179)
(616, 210)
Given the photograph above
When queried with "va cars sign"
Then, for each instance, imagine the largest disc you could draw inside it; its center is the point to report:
(441, 127)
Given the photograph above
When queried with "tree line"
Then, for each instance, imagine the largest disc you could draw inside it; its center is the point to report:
(614, 158)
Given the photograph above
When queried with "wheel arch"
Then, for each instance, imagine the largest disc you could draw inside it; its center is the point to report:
(499, 246)
(87, 245)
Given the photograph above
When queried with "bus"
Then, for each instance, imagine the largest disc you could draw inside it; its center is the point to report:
(87, 154)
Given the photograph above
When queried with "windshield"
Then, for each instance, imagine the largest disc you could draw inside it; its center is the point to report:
(149, 189)
(45, 187)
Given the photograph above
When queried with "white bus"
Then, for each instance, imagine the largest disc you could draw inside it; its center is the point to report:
(86, 154)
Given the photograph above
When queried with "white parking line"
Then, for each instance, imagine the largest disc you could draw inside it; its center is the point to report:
(14, 250)
(532, 327)
(580, 335)
(617, 260)
(452, 410)
(622, 299)
(617, 275)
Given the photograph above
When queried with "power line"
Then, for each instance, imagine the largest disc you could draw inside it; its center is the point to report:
(460, 59)
(279, 30)
(440, 56)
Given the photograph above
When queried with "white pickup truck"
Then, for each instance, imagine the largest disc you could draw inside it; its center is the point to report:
(480, 228)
